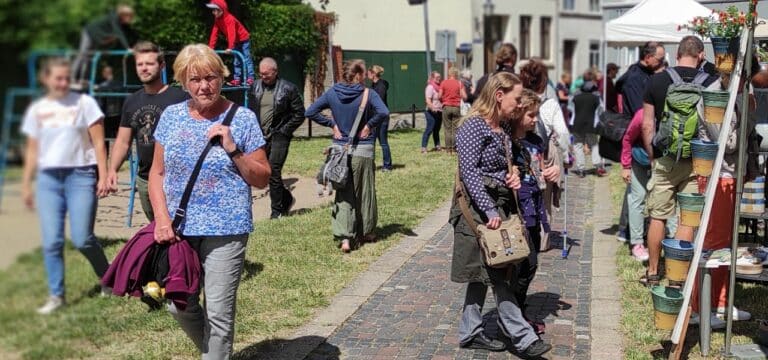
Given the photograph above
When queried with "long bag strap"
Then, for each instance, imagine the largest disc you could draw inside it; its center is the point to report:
(358, 118)
(181, 211)
(462, 194)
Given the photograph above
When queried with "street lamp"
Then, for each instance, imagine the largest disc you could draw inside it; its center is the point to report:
(488, 7)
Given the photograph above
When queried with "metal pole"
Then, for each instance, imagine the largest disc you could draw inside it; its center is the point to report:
(426, 38)
(743, 118)
(413, 115)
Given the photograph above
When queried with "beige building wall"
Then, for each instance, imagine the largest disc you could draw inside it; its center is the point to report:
(583, 26)
(394, 25)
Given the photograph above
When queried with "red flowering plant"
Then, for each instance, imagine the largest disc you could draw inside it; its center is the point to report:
(724, 24)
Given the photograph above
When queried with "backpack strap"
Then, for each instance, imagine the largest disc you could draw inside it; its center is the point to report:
(676, 79)
(700, 78)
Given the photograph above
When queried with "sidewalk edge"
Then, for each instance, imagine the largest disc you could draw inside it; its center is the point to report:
(606, 291)
(308, 337)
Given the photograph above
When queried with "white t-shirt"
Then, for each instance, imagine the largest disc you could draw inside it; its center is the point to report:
(61, 129)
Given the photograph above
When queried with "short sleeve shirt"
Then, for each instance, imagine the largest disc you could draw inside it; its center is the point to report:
(61, 129)
(656, 90)
(140, 113)
(221, 199)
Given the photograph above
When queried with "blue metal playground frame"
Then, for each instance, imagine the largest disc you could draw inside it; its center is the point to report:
(11, 119)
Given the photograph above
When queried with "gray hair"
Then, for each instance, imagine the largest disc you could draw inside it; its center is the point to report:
(269, 62)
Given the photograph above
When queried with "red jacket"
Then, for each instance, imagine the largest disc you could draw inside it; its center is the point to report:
(229, 25)
(125, 274)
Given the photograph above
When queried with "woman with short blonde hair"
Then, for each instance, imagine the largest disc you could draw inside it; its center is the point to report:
(218, 217)
(197, 57)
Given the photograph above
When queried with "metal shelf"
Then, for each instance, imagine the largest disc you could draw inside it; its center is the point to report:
(761, 278)
(763, 216)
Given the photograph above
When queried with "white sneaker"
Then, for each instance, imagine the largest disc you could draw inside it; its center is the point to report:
(53, 303)
(738, 315)
(106, 291)
(714, 322)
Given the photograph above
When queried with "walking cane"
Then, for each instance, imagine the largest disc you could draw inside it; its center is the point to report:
(565, 216)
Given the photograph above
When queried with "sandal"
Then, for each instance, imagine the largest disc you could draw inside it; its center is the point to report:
(345, 247)
(650, 280)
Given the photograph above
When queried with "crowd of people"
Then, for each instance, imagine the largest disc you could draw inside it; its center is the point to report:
(515, 134)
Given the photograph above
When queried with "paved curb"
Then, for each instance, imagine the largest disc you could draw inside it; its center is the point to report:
(304, 340)
(606, 290)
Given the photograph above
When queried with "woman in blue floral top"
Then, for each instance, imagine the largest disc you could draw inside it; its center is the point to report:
(481, 144)
(218, 217)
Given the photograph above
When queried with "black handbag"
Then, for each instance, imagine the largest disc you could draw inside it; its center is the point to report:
(612, 125)
(336, 168)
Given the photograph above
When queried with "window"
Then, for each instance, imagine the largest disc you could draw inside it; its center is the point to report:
(594, 53)
(525, 37)
(594, 5)
(568, 4)
(546, 23)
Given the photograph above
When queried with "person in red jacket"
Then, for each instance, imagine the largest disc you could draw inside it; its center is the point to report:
(238, 39)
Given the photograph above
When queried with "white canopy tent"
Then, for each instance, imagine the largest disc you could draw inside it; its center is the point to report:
(653, 20)
(649, 20)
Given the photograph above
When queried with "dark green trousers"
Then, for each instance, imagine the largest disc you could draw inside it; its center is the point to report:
(355, 212)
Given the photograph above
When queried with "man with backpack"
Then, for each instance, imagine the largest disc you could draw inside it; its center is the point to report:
(670, 122)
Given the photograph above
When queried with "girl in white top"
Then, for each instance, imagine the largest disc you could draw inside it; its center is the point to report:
(66, 151)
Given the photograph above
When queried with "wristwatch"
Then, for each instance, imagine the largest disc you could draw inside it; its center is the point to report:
(234, 153)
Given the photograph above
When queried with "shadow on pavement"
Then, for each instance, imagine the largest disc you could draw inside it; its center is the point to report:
(556, 242)
(542, 305)
(275, 349)
(611, 230)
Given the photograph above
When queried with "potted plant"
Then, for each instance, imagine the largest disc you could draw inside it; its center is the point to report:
(724, 29)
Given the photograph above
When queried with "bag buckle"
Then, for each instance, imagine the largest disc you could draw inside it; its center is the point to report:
(508, 250)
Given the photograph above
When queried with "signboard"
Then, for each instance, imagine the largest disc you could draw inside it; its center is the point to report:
(445, 46)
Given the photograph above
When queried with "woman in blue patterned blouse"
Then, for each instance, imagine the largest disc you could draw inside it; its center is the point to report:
(218, 218)
(481, 145)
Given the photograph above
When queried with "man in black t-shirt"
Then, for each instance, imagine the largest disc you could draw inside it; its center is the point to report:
(140, 114)
(669, 176)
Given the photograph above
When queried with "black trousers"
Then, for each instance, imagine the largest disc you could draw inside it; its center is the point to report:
(527, 268)
(277, 152)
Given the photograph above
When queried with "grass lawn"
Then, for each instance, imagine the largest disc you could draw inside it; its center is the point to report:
(292, 269)
(641, 338)
(13, 173)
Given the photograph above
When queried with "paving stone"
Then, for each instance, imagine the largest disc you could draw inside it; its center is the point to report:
(417, 310)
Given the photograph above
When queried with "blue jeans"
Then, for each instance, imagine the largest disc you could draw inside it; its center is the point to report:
(60, 191)
(245, 48)
(434, 121)
(387, 155)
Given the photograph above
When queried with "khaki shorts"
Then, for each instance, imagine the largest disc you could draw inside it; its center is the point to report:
(667, 179)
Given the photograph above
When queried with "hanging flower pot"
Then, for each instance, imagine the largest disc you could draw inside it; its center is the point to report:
(726, 52)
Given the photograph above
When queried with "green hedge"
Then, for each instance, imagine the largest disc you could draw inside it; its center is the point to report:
(277, 27)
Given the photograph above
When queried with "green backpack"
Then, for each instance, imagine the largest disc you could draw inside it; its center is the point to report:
(679, 121)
